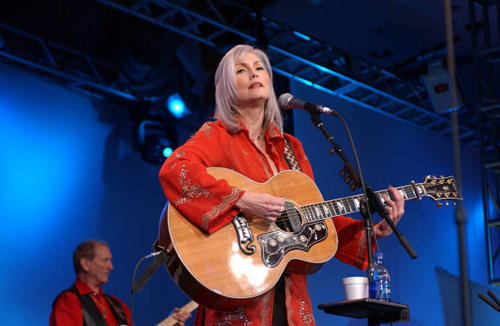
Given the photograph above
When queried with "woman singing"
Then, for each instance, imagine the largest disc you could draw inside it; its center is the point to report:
(248, 137)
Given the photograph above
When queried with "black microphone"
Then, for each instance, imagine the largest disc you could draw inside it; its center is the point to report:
(159, 257)
(287, 102)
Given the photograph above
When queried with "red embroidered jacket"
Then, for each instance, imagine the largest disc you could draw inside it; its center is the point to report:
(209, 204)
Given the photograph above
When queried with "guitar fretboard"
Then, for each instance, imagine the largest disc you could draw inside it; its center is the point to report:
(351, 204)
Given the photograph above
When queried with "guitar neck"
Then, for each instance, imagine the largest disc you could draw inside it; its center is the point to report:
(351, 204)
(170, 321)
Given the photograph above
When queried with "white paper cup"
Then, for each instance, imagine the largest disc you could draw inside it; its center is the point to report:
(355, 287)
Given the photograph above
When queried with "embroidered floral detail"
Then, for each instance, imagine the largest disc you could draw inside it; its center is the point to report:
(206, 128)
(222, 206)
(361, 252)
(179, 154)
(305, 313)
(189, 190)
(228, 318)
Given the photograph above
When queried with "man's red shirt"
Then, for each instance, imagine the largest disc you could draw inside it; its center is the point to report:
(68, 308)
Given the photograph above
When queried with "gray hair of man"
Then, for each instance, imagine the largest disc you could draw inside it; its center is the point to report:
(226, 93)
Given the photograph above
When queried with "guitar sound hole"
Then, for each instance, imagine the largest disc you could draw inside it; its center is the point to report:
(290, 220)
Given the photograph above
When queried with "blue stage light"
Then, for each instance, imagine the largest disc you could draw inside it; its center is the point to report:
(157, 148)
(167, 151)
(156, 140)
(176, 105)
(302, 36)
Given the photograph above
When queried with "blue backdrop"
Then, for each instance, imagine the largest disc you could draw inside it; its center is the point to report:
(68, 173)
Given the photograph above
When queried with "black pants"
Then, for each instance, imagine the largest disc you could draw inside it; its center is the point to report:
(279, 307)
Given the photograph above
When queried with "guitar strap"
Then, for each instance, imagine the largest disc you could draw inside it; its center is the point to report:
(117, 310)
(290, 157)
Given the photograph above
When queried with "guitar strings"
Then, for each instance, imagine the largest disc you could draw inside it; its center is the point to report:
(284, 220)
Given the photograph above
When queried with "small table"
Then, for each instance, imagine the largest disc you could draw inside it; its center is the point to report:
(375, 310)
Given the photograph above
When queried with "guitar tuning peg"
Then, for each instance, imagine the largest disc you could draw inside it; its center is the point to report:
(446, 203)
(454, 203)
(439, 204)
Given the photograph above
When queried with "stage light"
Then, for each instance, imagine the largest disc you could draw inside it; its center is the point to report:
(156, 148)
(156, 141)
(176, 106)
(438, 84)
(167, 151)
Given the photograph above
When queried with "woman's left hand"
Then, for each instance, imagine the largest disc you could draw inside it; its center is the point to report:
(395, 209)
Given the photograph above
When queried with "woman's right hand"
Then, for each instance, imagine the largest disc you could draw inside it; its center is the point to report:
(264, 205)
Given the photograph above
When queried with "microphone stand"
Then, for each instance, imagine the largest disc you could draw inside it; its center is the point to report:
(374, 310)
(349, 174)
(377, 206)
(351, 177)
(371, 203)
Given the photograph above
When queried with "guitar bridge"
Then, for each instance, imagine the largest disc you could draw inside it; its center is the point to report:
(245, 235)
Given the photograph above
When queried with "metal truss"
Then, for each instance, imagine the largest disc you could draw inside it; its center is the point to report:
(487, 55)
(299, 57)
(71, 68)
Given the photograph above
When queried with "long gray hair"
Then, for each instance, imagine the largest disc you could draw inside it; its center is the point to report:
(225, 90)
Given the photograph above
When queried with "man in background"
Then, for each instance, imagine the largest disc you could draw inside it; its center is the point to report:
(85, 303)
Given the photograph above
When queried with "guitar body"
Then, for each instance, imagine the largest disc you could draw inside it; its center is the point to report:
(221, 273)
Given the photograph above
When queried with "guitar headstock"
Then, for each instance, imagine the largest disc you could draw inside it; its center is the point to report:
(441, 188)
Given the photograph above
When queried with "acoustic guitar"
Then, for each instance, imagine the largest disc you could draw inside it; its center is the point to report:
(244, 259)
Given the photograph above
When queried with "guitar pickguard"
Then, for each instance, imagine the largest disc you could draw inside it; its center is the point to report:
(276, 244)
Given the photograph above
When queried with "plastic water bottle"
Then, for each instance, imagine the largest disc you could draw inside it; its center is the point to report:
(379, 279)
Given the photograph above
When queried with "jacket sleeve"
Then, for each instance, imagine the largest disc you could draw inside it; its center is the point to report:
(204, 201)
(352, 242)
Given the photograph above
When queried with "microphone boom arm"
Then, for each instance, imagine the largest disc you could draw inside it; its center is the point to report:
(349, 173)
(353, 177)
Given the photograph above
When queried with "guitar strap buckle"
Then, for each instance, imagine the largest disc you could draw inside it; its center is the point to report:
(157, 247)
